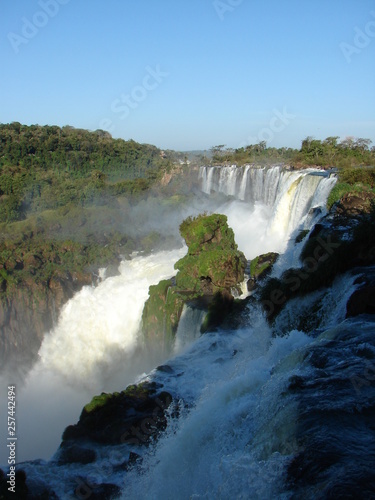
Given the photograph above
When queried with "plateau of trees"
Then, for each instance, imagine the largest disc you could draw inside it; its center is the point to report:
(47, 167)
(330, 152)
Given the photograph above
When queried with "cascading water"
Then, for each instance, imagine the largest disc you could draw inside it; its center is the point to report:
(188, 328)
(246, 418)
(94, 347)
(239, 395)
(269, 202)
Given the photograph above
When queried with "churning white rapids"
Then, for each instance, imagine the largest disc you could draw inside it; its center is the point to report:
(94, 347)
(236, 428)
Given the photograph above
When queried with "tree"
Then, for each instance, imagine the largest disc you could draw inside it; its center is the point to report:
(331, 141)
(362, 144)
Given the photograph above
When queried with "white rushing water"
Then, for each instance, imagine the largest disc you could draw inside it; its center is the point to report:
(101, 325)
(249, 401)
(237, 429)
(269, 203)
(96, 347)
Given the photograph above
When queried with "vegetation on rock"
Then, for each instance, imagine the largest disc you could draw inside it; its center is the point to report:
(133, 416)
(353, 182)
(66, 196)
(333, 247)
(212, 267)
(213, 262)
(261, 266)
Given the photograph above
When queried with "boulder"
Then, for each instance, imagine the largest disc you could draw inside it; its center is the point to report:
(22, 491)
(133, 416)
(86, 489)
(260, 268)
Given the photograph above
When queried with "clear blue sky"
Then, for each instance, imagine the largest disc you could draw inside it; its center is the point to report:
(224, 69)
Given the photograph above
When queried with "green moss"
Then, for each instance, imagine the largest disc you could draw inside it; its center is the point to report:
(212, 255)
(301, 235)
(262, 265)
(161, 313)
(338, 191)
(201, 231)
(212, 266)
(98, 402)
(352, 180)
(139, 391)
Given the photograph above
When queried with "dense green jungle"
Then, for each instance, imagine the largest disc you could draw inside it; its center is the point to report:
(66, 193)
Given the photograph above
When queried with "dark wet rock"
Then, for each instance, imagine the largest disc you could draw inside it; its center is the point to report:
(251, 284)
(260, 268)
(76, 455)
(336, 245)
(296, 383)
(165, 369)
(134, 416)
(301, 235)
(21, 489)
(85, 489)
(334, 430)
(134, 458)
(361, 302)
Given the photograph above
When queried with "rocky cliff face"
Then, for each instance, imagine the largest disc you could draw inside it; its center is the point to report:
(38, 275)
(29, 312)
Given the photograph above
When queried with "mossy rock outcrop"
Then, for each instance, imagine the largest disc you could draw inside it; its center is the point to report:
(260, 268)
(162, 312)
(133, 416)
(213, 263)
(212, 267)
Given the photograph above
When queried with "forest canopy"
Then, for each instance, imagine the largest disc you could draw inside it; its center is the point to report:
(47, 167)
(330, 152)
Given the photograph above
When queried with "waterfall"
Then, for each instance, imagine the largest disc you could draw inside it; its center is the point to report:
(247, 183)
(262, 184)
(249, 403)
(188, 328)
(243, 398)
(99, 325)
(94, 347)
(271, 202)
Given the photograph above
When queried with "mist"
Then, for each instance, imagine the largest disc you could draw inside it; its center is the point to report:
(96, 344)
